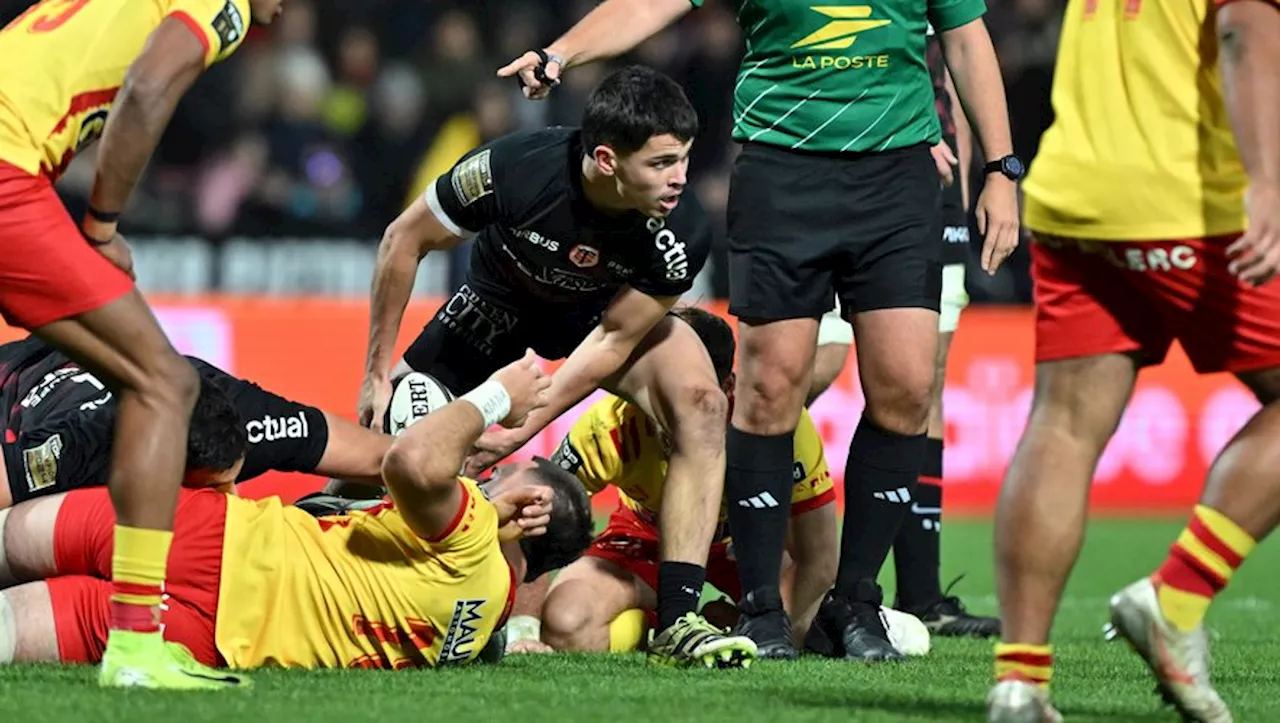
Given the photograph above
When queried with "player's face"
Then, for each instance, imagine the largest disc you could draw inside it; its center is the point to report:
(652, 179)
(264, 11)
(506, 477)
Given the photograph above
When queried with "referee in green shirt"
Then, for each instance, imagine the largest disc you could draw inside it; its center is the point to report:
(835, 189)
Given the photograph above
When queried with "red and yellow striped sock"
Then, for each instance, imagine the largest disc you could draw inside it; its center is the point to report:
(137, 578)
(1021, 661)
(1199, 566)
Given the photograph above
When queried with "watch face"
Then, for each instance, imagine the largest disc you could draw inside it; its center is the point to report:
(1013, 167)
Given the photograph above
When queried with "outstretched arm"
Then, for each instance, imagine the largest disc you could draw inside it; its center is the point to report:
(612, 28)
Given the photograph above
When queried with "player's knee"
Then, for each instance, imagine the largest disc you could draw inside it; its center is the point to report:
(902, 404)
(172, 379)
(771, 396)
(568, 623)
(1080, 401)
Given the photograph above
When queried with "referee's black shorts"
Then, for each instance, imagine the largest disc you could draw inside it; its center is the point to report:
(802, 224)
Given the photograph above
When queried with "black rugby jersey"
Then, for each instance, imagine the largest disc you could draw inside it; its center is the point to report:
(540, 239)
(59, 421)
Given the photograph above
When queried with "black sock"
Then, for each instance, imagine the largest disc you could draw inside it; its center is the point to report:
(916, 552)
(880, 474)
(757, 491)
(679, 588)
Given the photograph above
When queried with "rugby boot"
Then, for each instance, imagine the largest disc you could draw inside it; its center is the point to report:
(1179, 660)
(852, 628)
(763, 619)
(691, 641)
(1019, 701)
(145, 660)
(947, 617)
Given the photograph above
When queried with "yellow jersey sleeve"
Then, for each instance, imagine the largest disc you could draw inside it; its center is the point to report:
(590, 451)
(220, 25)
(813, 486)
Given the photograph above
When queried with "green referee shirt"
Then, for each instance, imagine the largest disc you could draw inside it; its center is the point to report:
(840, 77)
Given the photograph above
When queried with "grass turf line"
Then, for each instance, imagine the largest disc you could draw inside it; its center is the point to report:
(1093, 680)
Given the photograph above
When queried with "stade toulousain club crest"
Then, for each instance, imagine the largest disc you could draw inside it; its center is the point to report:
(584, 256)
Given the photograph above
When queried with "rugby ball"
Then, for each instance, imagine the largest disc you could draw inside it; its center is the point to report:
(413, 396)
(907, 633)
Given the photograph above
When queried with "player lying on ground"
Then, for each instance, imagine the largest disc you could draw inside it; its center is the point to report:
(64, 68)
(420, 581)
(918, 545)
(1138, 244)
(835, 191)
(60, 420)
(589, 607)
(585, 238)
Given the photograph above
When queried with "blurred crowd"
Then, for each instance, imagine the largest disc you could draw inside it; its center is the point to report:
(328, 122)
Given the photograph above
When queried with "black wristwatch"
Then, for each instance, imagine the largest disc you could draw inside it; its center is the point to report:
(1011, 167)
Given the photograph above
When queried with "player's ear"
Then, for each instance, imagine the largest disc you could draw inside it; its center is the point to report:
(606, 159)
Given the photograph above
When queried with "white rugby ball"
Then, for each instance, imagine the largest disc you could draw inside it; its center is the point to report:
(907, 633)
(414, 396)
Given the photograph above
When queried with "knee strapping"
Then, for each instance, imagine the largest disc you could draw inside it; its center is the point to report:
(6, 578)
(8, 631)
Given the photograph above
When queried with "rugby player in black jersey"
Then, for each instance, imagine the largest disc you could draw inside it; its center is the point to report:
(585, 239)
(58, 422)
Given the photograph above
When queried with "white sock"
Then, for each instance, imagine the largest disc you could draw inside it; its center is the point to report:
(8, 631)
(6, 579)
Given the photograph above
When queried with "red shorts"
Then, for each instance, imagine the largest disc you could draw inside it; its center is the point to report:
(83, 538)
(1099, 298)
(48, 271)
(631, 542)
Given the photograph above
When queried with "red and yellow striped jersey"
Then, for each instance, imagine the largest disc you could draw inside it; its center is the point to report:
(1141, 147)
(361, 589)
(62, 62)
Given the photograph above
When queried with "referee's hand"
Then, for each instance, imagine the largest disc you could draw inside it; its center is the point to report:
(997, 213)
(946, 162)
(538, 73)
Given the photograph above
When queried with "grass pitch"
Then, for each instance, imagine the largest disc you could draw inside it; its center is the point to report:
(1093, 680)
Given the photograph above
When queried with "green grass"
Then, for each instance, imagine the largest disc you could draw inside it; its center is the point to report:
(1093, 680)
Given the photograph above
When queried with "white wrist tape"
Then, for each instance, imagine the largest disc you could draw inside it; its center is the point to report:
(492, 400)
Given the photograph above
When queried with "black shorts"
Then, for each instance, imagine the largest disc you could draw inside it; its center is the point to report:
(473, 335)
(801, 225)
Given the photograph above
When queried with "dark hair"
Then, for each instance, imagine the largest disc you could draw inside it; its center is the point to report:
(716, 336)
(217, 439)
(569, 532)
(633, 105)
